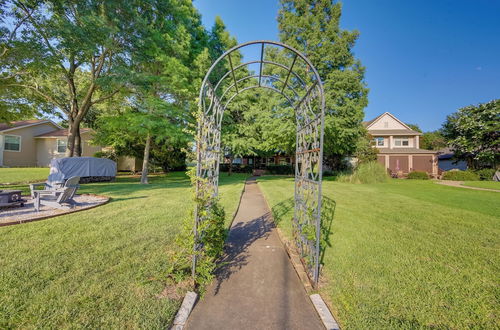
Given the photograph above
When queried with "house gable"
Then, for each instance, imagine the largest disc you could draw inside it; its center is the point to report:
(27, 154)
(387, 121)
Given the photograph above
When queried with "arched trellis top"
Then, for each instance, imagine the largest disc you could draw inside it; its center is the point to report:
(295, 100)
(300, 84)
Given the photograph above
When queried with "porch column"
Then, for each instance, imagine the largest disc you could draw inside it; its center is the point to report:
(1, 149)
(435, 165)
(386, 161)
(410, 163)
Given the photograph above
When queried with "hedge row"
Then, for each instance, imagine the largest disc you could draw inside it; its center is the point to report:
(271, 169)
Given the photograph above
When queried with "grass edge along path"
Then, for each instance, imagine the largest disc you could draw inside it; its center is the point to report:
(101, 268)
(493, 185)
(406, 254)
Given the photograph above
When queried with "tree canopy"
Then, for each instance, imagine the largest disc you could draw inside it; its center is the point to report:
(313, 27)
(473, 132)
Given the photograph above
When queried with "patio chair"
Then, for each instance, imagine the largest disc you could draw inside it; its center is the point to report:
(50, 186)
(60, 198)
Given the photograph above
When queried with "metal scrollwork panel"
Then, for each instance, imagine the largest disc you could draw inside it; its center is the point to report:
(307, 215)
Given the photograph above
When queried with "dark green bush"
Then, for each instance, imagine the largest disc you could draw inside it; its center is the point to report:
(236, 168)
(486, 174)
(280, 169)
(418, 175)
(460, 176)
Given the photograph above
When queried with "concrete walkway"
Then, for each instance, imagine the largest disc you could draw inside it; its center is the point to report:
(256, 286)
(460, 185)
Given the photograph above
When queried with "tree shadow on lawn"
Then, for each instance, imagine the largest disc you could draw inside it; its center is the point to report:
(241, 236)
(128, 185)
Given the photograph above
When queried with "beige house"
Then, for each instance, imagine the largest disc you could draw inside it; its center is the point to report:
(37, 142)
(398, 146)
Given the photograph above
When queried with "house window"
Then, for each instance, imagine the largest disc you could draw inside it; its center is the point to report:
(402, 141)
(61, 146)
(378, 141)
(12, 143)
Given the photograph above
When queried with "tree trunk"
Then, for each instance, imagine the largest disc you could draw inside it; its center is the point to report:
(77, 152)
(70, 147)
(145, 163)
(230, 171)
(74, 147)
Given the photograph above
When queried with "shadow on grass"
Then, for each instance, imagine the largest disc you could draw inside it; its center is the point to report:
(241, 236)
(126, 198)
(328, 205)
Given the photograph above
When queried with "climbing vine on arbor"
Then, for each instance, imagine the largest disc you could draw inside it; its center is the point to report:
(208, 243)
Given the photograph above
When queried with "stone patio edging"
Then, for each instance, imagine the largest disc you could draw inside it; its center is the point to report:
(44, 217)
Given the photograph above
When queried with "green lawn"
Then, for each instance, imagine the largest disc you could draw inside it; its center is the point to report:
(100, 268)
(23, 175)
(483, 184)
(407, 254)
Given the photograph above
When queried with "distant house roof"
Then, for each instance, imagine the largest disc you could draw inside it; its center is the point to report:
(405, 151)
(376, 132)
(369, 122)
(407, 131)
(445, 153)
(4, 127)
(60, 133)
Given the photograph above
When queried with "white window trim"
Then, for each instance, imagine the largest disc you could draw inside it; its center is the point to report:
(20, 143)
(375, 139)
(407, 138)
(57, 146)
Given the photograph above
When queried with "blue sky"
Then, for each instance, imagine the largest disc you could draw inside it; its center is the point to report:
(424, 59)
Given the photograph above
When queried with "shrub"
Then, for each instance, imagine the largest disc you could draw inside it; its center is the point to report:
(236, 168)
(371, 172)
(418, 175)
(486, 174)
(328, 173)
(107, 154)
(280, 169)
(460, 176)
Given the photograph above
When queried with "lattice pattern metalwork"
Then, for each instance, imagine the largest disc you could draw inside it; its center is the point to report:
(309, 113)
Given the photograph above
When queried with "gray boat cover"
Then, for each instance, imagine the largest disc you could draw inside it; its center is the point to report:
(62, 169)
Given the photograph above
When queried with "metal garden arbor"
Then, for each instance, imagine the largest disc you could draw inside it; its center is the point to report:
(284, 70)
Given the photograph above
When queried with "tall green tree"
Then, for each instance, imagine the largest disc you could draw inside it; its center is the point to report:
(473, 132)
(312, 27)
(414, 127)
(433, 140)
(235, 139)
(65, 53)
(169, 39)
